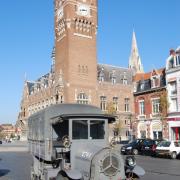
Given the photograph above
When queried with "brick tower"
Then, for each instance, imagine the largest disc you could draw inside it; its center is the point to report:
(75, 46)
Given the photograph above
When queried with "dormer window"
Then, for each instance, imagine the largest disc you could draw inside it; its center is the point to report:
(101, 76)
(113, 80)
(142, 86)
(124, 80)
(113, 77)
(154, 82)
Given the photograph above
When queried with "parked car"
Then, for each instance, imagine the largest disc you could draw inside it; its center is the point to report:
(149, 146)
(123, 142)
(168, 148)
(133, 147)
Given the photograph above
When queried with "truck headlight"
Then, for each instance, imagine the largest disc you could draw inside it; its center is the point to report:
(130, 161)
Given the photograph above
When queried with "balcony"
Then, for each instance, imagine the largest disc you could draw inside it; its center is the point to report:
(174, 92)
(141, 117)
(155, 115)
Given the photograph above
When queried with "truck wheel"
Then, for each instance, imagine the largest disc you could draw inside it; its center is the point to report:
(135, 151)
(131, 176)
(173, 155)
(61, 177)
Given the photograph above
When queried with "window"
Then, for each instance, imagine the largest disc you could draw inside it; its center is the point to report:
(154, 82)
(97, 129)
(61, 129)
(125, 81)
(115, 103)
(113, 77)
(142, 86)
(155, 106)
(127, 109)
(61, 99)
(103, 103)
(178, 60)
(88, 129)
(80, 129)
(173, 88)
(171, 63)
(174, 105)
(127, 133)
(82, 98)
(113, 80)
(141, 108)
(101, 76)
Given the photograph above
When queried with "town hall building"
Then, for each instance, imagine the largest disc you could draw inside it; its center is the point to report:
(75, 75)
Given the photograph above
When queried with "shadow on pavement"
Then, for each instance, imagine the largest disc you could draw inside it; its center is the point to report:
(3, 172)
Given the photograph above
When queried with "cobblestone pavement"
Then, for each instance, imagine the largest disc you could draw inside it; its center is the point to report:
(15, 163)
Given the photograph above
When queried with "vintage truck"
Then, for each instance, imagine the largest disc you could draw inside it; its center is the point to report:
(70, 141)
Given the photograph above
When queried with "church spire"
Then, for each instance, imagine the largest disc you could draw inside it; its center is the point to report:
(134, 59)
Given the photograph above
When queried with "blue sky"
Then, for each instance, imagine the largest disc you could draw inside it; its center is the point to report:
(27, 38)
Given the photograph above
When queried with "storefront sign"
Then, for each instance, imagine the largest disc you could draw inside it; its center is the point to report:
(173, 119)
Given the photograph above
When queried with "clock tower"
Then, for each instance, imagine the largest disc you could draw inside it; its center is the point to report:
(75, 46)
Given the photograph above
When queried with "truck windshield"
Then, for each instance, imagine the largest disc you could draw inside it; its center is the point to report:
(80, 129)
(97, 129)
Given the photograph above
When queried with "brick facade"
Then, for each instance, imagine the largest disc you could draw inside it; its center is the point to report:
(150, 113)
(75, 76)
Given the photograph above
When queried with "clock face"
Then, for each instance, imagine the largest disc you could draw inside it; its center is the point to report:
(60, 13)
(83, 10)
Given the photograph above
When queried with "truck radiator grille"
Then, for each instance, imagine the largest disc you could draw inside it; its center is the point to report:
(110, 165)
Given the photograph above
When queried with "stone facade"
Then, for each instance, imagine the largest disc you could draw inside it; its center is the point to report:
(173, 89)
(75, 76)
(7, 131)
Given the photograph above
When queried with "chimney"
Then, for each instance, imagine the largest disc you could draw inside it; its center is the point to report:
(172, 52)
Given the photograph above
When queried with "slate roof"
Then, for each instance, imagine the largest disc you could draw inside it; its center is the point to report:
(110, 71)
(143, 80)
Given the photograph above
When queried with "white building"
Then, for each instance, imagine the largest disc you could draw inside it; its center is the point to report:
(173, 89)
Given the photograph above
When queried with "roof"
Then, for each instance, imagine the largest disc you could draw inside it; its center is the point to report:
(146, 76)
(73, 110)
(109, 71)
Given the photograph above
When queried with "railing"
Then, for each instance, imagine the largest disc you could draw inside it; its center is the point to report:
(142, 116)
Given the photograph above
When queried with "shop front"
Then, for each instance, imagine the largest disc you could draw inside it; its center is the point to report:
(142, 130)
(156, 129)
(174, 128)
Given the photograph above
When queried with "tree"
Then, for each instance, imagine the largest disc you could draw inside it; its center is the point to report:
(110, 108)
(1, 133)
(117, 126)
(163, 108)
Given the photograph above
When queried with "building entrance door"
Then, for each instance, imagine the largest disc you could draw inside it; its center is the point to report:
(175, 133)
(157, 134)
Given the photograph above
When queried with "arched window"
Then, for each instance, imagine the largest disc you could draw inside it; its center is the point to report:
(82, 98)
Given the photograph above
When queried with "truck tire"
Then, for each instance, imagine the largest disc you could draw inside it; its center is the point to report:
(173, 155)
(61, 177)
